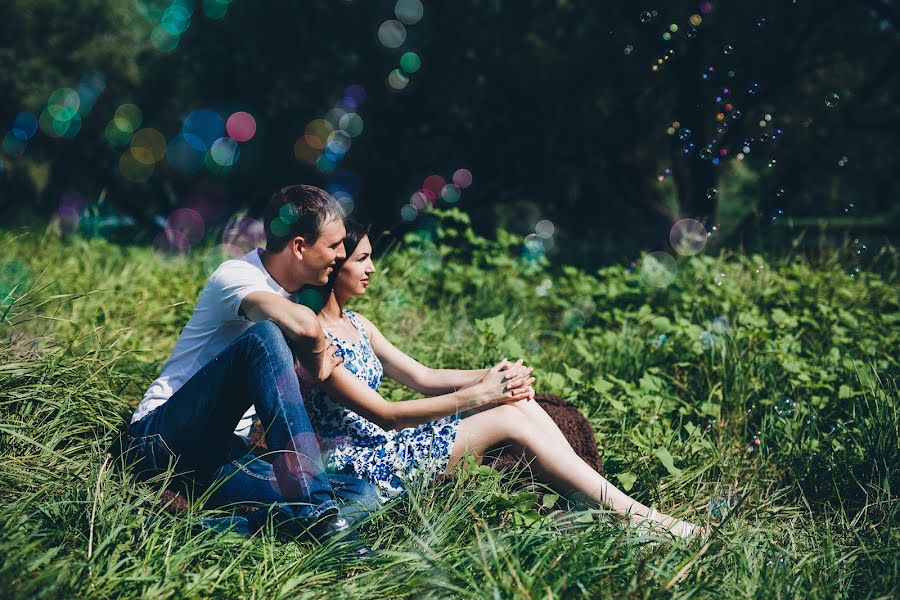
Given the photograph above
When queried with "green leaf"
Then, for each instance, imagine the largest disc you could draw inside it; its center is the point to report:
(495, 325)
(555, 381)
(668, 462)
(617, 405)
(549, 500)
(661, 323)
(627, 480)
(601, 385)
(650, 383)
(573, 374)
(512, 348)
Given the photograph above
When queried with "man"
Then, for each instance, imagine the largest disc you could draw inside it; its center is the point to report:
(235, 359)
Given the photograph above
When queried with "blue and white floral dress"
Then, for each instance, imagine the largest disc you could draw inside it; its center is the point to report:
(354, 445)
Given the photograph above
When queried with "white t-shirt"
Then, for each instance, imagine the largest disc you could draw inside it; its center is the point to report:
(214, 324)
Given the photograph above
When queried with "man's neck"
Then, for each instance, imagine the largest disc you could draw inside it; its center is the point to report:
(276, 270)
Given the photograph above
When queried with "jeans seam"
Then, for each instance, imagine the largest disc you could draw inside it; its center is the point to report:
(164, 443)
(251, 473)
(262, 342)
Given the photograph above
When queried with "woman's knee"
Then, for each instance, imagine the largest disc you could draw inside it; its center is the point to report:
(513, 423)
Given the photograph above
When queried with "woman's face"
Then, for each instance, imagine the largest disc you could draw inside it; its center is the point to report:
(353, 277)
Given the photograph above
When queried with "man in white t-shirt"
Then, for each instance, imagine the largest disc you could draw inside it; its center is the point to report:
(235, 359)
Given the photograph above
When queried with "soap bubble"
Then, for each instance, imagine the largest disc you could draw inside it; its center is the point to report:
(832, 100)
(658, 269)
(242, 235)
(462, 178)
(533, 243)
(430, 260)
(184, 227)
(727, 49)
(397, 80)
(392, 34)
(753, 88)
(705, 152)
(712, 193)
(450, 193)
(688, 237)
(408, 213)
(241, 126)
(544, 229)
(684, 133)
(646, 16)
(409, 11)
(410, 62)
(224, 152)
(351, 123)
(719, 507)
(720, 325)
(785, 407)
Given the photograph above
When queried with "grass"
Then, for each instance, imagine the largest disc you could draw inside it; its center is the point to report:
(799, 356)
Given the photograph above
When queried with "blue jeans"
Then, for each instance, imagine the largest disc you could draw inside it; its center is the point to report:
(195, 428)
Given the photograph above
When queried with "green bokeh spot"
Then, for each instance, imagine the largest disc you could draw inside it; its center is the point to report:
(410, 62)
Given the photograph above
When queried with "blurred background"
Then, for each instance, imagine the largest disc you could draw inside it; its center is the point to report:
(587, 128)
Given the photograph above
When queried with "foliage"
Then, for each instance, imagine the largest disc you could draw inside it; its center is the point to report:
(678, 383)
(553, 106)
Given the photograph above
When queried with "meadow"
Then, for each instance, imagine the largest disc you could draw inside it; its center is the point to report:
(758, 389)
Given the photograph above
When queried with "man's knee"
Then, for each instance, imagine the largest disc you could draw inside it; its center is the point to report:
(270, 335)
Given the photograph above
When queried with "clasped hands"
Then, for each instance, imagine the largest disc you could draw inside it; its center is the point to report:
(503, 383)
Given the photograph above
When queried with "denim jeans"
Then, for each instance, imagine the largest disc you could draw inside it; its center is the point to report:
(195, 429)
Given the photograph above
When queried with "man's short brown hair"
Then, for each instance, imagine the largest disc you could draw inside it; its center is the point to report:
(298, 210)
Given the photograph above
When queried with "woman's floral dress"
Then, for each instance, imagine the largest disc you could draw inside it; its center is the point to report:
(354, 445)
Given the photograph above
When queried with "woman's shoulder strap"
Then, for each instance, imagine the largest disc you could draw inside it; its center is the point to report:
(357, 323)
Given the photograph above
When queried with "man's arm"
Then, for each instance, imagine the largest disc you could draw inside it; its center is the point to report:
(301, 329)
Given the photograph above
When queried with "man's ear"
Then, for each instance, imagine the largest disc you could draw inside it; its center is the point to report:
(298, 244)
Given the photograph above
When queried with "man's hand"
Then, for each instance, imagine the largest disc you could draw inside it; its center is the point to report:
(317, 365)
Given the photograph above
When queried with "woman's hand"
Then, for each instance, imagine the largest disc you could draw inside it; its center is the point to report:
(517, 370)
(504, 382)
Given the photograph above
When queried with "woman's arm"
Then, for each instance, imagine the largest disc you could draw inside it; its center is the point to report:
(413, 374)
(353, 393)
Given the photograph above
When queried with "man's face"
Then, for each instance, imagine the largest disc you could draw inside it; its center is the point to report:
(319, 258)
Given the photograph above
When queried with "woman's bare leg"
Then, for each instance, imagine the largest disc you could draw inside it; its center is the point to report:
(533, 411)
(553, 462)
(542, 420)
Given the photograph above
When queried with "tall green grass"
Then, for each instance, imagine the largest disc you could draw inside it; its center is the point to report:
(797, 355)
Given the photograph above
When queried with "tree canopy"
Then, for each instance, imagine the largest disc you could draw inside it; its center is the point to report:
(611, 121)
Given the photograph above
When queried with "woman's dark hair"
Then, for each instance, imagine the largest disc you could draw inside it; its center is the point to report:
(355, 233)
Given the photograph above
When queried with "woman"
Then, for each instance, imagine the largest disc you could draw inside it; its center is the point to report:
(388, 443)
